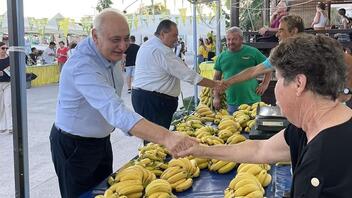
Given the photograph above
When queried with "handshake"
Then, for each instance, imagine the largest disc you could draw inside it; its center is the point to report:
(220, 86)
(180, 145)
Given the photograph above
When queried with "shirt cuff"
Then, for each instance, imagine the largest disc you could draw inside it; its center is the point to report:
(130, 119)
(267, 64)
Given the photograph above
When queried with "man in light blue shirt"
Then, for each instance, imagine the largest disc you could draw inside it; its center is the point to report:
(89, 108)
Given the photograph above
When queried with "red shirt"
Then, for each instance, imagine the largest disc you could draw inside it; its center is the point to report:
(62, 54)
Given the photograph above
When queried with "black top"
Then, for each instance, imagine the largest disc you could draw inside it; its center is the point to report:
(131, 54)
(3, 64)
(323, 167)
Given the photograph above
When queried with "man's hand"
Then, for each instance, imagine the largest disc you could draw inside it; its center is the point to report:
(263, 30)
(195, 150)
(221, 86)
(261, 88)
(177, 142)
(217, 103)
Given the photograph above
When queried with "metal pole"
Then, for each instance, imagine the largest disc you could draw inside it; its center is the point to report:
(218, 32)
(18, 94)
(235, 13)
(195, 67)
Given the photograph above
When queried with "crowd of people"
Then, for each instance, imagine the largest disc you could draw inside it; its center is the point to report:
(311, 72)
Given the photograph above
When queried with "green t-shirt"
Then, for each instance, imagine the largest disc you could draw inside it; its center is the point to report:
(231, 63)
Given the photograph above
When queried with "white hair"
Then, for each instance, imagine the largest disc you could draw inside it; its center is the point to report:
(235, 29)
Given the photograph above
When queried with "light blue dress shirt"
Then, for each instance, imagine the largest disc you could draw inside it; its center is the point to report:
(89, 102)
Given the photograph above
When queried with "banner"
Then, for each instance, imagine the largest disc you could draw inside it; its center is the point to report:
(135, 21)
(64, 25)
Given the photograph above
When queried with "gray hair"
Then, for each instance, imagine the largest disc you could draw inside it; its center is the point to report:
(98, 20)
(319, 58)
(235, 29)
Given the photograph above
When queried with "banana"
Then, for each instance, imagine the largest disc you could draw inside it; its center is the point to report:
(244, 182)
(217, 165)
(254, 170)
(255, 194)
(246, 189)
(184, 186)
(197, 172)
(170, 172)
(173, 185)
(108, 193)
(160, 195)
(227, 168)
(157, 172)
(134, 195)
(203, 165)
(267, 180)
(130, 189)
(158, 185)
(177, 177)
(261, 176)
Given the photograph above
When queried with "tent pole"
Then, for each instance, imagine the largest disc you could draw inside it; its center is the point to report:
(218, 33)
(18, 94)
(195, 64)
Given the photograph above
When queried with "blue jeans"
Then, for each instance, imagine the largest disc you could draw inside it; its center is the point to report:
(231, 108)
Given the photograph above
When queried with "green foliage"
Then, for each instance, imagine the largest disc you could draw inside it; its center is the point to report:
(251, 14)
(159, 8)
(102, 4)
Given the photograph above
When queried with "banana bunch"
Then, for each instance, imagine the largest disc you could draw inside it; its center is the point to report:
(201, 162)
(211, 140)
(153, 151)
(180, 173)
(249, 125)
(204, 113)
(219, 116)
(227, 127)
(260, 171)
(221, 167)
(206, 98)
(182, 127)
(254, 108)
(159, 188)
(157, 167)
(130, 182)
(244, 185)
(235, 139)
(209, 129)
(195, 124)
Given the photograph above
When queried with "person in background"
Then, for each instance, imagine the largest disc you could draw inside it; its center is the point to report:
(345, 20)
(130, 63)
(310, 71)
(289, 26)
(89, 108)
(33, 56)
(202, 51)
(321, 18)
(237, 58)
(156, 85)
(5, 91)
(145, 39)
(72, 49)
(49, 53)
(61, 54)
(210, 48)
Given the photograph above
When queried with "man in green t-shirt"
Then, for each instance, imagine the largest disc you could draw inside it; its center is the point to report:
(239, 57)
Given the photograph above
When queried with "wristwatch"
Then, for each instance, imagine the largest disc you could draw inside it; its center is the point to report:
(347, 91)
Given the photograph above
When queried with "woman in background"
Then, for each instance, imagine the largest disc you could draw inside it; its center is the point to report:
(5, 91)
(345, 20)
(321, 18)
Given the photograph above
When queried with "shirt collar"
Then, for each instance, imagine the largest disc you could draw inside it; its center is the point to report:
(105, 62)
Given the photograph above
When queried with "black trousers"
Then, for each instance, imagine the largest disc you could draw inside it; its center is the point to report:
(80, 163)
(155, 107)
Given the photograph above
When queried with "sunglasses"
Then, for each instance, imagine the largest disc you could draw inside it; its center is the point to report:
(4, 48)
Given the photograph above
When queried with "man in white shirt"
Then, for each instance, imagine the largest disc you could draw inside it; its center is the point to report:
(158, 72)
(49, 53)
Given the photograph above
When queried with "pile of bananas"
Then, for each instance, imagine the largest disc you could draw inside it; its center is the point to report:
(180, 173)
(221, 167)
(227, 127)
(204, 113)
(129, 182)
(246, 115)
(244, 185)
(202, 163)
(235, 139)
(219, 115)
(206, 98)
(260, 171)
(159, 189)
(152, 157)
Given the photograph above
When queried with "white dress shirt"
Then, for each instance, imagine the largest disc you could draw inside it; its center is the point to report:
(48, 59)
(159, 69)
(89, 102)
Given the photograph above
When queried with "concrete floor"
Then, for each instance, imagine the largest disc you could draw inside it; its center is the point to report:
(41, 102)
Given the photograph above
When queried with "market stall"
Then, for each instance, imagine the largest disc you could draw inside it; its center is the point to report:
(46, 74)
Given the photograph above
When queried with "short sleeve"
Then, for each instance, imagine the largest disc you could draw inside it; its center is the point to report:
(267, 64)
(217, 65)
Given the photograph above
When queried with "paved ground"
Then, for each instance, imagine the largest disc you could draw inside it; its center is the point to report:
(41, 102)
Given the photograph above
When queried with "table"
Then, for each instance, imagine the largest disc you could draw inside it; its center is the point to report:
(207, 69)
(212, 185)
(46, 74)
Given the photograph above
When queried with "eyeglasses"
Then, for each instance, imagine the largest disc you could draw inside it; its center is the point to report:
(4, 48)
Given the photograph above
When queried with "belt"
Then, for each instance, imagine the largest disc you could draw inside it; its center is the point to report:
(156, 93)
(77, 137)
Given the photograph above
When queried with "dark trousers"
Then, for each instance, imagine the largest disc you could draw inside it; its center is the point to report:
(155, 107)
(80, 163)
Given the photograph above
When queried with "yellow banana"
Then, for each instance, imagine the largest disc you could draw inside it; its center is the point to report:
(255, 194)
(197, 172)
(130, 189)
(177, 177)
(108, 193)
(203, 165)
(158, 185)
(170, 172)
(184, 186)
(244, 182)
(267, 180)
(217, 165)
(173, 185)
(254, 170)
(134, 195)
(157, 172)
(227, 168)
(246, 189)
(160, 195)
(261, 176)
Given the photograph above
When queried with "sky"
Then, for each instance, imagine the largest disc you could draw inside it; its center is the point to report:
(78, 8)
